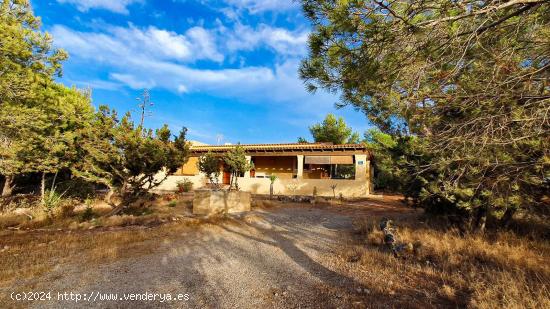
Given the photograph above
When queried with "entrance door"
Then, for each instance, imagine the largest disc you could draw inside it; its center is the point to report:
(226, 177)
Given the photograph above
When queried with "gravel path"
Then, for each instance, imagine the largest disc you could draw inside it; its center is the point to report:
(268, 259)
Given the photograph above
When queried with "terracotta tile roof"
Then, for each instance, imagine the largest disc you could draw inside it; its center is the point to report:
(282, 147)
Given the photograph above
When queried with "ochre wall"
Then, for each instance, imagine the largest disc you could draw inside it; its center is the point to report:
(190, 168)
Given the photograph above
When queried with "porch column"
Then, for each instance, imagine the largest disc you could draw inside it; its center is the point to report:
(247, 173)
(300, 174)
(361, 167)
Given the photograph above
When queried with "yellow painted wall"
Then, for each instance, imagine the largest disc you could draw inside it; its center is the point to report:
(190, 168)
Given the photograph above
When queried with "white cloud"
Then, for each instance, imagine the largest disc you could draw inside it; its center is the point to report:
(204, 42)
(182, 89)
(283, 41)
(96, 84)
(131, 81)
(148, 58)
(117, 6)
(259, 6)
(195, 44)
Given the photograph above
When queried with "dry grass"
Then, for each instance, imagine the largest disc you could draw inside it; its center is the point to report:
(20, 259)
(70, 214)
(11, 219)
(266, 204)
(65, 238)
(497, 270)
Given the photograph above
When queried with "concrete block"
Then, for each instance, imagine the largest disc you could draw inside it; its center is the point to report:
(208, 202)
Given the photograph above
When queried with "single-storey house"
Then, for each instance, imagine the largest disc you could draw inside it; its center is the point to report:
(301, 169)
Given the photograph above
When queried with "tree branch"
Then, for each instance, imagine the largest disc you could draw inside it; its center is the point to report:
(431, 23)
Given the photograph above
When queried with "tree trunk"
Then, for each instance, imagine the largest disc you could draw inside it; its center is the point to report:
(43, 187)
(271, 191)
(481, 219)
(507, 217)
(8, 186)
(108, 196)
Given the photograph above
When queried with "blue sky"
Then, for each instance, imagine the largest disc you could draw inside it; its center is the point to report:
(225, 69)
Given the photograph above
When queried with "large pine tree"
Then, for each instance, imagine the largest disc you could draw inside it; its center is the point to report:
(471, 78)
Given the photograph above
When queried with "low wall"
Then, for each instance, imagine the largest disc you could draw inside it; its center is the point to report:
(348, 188)
(208, 202)
(171, 183)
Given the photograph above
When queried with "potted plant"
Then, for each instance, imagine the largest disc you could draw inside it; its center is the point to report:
(184, 186)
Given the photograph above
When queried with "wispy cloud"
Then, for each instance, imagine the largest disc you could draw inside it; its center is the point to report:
(259, 6)
(195, 44)
(282, 41)
(96, 84)
(132, 81)
(153, 57)
(116, 6)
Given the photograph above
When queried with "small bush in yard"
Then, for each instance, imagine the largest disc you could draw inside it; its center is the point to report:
(52, 199)
(172, 204)
(88, 214)
(185, 186)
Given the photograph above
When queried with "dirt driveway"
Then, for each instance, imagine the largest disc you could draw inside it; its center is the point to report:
(270, 258)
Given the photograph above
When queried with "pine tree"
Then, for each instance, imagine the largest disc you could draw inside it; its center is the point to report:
(333, 130)
(26, 54)
(28, 65)
(468, 78)
(128, 159)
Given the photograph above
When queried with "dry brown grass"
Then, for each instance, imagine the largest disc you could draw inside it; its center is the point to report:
(70, 215)
(496, 270)
(64, 239)
(37, 243)
(20, 258)
(11, 219)
(263, 203)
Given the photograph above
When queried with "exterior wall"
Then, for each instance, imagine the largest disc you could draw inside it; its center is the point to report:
(348, 188)
(284, 167)
(362, 166)
(190, 168)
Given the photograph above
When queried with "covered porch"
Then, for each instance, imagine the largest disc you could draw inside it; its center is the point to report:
(348, 167)
(300, 169)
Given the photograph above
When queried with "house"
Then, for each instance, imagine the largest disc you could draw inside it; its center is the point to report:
(300, 168)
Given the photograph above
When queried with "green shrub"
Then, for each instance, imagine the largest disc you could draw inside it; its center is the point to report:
(172, 204)
(88, 214)
(52, 199)
(185, 186)
(77, 188)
